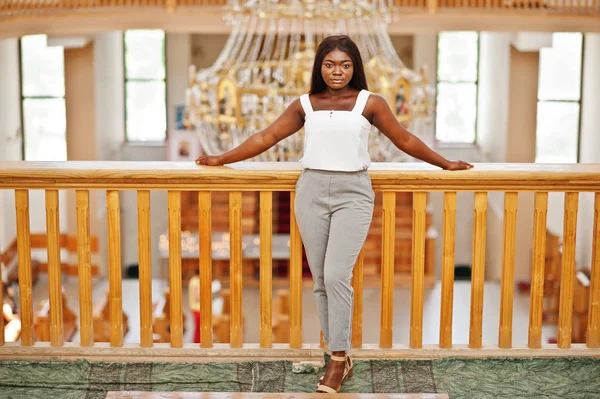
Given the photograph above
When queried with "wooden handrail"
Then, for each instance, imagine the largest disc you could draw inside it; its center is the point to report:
(282, 176)
(388, 178)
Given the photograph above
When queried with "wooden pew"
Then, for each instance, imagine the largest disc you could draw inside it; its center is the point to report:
(41, 321)
(281, 317)
(101, 320)
(161, 318)
(221, 322)
(581, 304)
(552, 268)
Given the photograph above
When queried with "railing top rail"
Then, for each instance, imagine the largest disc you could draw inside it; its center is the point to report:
(276, 176)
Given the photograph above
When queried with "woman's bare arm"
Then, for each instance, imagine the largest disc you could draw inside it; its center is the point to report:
(287, 124)
(384, 120)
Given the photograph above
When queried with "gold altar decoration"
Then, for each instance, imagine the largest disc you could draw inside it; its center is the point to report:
(267, 63)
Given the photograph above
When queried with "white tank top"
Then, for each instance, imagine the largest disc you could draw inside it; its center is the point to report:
(336, 140)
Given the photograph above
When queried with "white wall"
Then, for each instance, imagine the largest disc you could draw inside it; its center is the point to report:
(10, 130)
(425, 54)
(493, 96)
(590, 142)
(178, 62)
(109, 96)
(589, 153)
(158, 209)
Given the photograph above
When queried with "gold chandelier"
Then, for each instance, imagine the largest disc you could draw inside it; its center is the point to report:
(267, 63)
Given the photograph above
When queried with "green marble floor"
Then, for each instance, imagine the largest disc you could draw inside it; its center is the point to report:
(577, 378)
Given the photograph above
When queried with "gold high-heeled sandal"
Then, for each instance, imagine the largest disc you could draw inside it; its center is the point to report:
(348, 372)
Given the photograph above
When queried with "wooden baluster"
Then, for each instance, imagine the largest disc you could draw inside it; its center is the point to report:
(567, 278)
(266, 268)
(295, 279)
(418, 269)
(593, 330)
(1, 318)
(24, 269)
(205, 236)
(176, 322)
(54, 284)
(145, 268)
(478, 270)
(511, 202)
(536, 296)
(357, 311)
(114, 268)
(387, 268)
(448, 248)
(86, 333)
(235, 270)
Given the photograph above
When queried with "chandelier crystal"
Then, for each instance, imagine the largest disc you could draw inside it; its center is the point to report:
(267, 63)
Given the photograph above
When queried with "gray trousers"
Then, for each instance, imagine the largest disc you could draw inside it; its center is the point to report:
(334, 212)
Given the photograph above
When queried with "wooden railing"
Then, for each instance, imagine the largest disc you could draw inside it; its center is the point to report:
(269, 177)
(22, 8)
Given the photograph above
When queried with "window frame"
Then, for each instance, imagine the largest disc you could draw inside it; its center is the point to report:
(23, 97)
(476, 83)
(579, 102)
(125, 80)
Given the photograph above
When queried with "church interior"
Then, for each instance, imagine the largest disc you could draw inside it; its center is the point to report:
(128, 271)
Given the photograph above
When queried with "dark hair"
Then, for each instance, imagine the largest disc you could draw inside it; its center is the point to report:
(345, 44)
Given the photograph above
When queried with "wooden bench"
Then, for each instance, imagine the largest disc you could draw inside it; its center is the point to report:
(552, 268)
(581, 305)
(101, 320)
(161, 318)
(41, 321)
(248, 395)
(281, 317)
(222, 322)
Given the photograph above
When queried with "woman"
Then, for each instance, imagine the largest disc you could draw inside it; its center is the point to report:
(334, 197)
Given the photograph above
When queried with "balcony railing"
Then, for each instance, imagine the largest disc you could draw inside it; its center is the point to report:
(31, 8)
(267, 178)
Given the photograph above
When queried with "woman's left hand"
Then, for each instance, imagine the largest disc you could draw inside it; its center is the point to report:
(209, 160)
(458, 165)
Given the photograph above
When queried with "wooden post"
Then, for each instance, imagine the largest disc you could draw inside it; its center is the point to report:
(448, 248)
(357, 312)
(567, 278)
(387, 268)
(24, 259)
(418, 269)
(536, 296)
(54, 283)
(511, 202)
(205, 268)
(86, 332)
(295, 278)
(478, 270)
(114, 268)
(593, 330)
(145, 268)
(176, 322)
(235, 269)
(266, 268)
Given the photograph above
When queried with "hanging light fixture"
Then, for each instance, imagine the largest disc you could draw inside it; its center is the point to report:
(267, 63)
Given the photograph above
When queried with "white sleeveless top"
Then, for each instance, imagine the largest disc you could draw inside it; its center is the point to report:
(336, 140)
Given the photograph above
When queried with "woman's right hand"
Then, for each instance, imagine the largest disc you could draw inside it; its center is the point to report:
(209, 160)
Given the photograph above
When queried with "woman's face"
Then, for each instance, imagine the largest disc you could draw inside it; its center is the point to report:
(337, 69)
